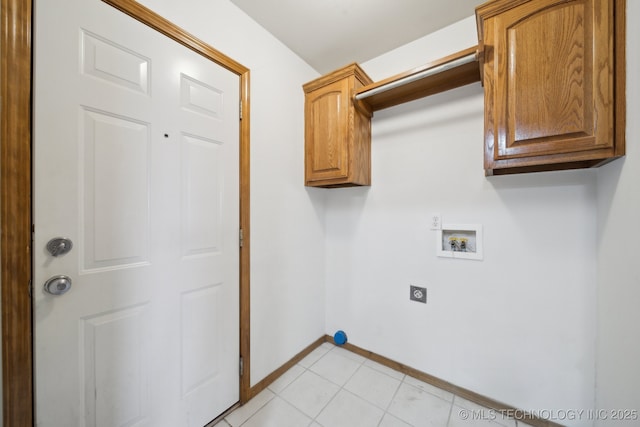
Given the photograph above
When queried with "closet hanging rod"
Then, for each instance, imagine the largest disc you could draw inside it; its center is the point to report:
(419, 76)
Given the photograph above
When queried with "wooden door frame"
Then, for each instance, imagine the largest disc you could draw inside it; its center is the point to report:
(16, 17)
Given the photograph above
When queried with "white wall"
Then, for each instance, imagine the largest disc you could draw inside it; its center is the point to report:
(618, 356)
(287, 224)
(518, 326)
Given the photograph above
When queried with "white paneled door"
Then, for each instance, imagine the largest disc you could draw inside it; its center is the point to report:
(136, 162)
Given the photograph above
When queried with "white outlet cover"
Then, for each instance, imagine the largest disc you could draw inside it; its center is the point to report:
(435, 221)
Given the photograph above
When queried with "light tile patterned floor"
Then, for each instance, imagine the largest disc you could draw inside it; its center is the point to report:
(333, 387)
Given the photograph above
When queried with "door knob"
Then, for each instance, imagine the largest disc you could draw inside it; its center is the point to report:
(57, 285)
(59, 246)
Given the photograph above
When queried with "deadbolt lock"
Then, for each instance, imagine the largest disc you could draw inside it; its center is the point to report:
(59, 246)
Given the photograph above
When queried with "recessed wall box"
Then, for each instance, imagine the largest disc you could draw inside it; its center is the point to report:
(460, 241)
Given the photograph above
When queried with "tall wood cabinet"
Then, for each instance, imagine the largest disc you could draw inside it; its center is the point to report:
(337, 130)
(553, 75)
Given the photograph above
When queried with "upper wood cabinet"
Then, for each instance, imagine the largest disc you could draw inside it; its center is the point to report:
(554, 81)
(337, 134)
(553, 75)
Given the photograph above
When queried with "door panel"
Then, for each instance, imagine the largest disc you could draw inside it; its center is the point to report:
(113, 63)
(136, 160)
(115, 180)
(114, 361)
(200, 177)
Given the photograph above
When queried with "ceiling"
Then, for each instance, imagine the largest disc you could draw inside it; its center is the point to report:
(329, 34)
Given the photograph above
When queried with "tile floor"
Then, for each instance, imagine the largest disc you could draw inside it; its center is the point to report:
(333, 387)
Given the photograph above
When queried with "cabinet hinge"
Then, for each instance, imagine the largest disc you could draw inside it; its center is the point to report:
(241, 109)
(30, 288)
(241, 366)
(241, 237)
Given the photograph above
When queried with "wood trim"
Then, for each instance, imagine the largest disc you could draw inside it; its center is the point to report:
(15, 211)
(288, 365)
(352, 70)
(445, 385)
(620, 76)
(15, 181)
(169, 29)
(245, 251)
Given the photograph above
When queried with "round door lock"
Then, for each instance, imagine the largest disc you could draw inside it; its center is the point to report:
(57, 285)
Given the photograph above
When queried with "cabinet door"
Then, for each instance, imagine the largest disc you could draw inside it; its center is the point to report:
(550, 81)
(327, 132)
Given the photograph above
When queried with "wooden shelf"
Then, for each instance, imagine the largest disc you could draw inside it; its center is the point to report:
(446, 80)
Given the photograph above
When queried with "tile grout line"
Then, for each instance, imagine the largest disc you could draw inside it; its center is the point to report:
(315, 419)
(453, 399)
(259, 409)
(363, 364)
(254, 412)
(386, 411)
(308, 369)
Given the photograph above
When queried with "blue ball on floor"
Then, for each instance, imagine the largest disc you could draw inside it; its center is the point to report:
(340, 338)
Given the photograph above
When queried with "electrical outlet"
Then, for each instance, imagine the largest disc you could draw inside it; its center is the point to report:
(418, 294)
(436, 221)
